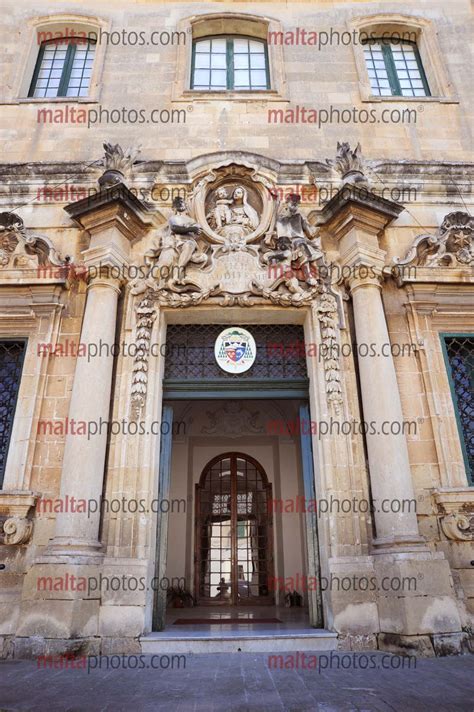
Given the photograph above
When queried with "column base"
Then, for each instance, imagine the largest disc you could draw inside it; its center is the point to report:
(407, 543)
(63, 549)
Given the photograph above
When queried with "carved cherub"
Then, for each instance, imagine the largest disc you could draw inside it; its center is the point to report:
(222, 212)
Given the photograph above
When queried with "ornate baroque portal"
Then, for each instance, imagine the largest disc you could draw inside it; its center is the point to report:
(232, 243)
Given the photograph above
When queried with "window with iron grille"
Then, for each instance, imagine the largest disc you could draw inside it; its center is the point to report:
(11, 364)
(190, 353)
(459, 354)
(63, 68)
(395, 69)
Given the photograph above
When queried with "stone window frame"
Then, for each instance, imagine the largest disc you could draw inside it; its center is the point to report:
(229, 24)
(427, 43)
(30, 51)
(434, 309)
(444, 335)
(31, 313)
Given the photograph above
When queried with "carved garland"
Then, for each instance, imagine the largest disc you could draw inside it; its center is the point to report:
(328, 320)
(146, 315)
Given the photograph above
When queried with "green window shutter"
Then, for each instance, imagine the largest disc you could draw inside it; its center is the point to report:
(230, 63)
(422, 72)
(458, 352)
(67, 69)
(391, 70)
(37, 69)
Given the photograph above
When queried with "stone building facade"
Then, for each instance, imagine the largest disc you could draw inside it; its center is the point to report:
(287, 183)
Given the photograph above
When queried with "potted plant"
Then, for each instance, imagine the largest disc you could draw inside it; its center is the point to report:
(180, 597)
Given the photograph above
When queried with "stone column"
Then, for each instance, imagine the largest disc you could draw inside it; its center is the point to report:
(356, 219)
(113, 220)
(390, 474)
(84, 453)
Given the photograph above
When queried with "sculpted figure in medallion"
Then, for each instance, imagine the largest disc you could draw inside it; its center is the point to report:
(233, 217)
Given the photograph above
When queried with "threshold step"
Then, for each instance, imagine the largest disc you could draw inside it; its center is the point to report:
(237, 641)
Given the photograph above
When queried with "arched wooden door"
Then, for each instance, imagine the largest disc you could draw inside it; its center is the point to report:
(234, 535)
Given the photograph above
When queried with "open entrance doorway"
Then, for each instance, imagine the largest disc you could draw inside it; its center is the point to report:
(234, 449)
(234, 532)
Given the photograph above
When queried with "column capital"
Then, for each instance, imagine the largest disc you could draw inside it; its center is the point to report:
(114, 207)
(356, 219)
(106, 263)
(357, 207)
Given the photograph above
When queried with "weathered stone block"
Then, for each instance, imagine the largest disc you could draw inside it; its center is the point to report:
(120, 646)
(35, 646)
(450, 643)
(414, 577)
(356, 618)
(121, 621)
(58, 619)
(419, 615)
(417, 645)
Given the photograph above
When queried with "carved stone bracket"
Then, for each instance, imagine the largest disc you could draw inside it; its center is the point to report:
(17, 530)
(456, 513)
(458, 526)
(15, 524)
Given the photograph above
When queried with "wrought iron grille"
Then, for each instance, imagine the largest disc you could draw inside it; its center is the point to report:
(460, 355)
(190, 353)
(11, 364)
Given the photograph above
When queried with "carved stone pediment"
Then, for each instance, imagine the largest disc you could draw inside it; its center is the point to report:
(452, 246)
(21, 250)
(232, 243)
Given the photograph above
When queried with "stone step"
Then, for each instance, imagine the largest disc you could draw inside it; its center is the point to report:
(186, 642)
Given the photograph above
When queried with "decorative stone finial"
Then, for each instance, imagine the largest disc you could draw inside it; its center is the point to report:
(118, 164)
(349, 164)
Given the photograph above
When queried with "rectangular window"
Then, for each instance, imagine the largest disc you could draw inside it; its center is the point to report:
(63, 68)
(11, 364)
(459, 354)
(395, 69)
(230, 63)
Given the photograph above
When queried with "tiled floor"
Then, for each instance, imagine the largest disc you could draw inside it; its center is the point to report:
(292, 620)
(339, 682)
